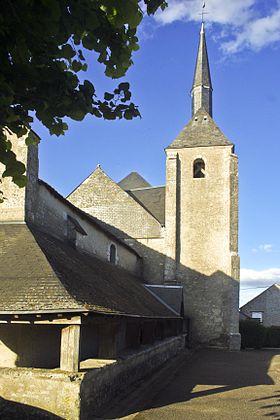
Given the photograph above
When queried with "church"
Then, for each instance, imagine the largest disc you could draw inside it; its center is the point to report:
(187, 230)
(102, 287)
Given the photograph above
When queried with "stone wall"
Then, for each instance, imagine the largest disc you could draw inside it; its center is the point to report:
(203, 253)
(268, 303)
(51, 216)
(101, 197)
(81, 395)
(152, 251)
(19, 202)
(55, 392)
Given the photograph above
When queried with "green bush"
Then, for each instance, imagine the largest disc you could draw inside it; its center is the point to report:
(272, 337)
(253, 334)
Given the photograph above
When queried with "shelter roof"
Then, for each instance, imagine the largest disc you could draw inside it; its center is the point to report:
(40, 273)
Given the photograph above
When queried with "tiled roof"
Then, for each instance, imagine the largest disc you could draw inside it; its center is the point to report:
(133, 180)
(40, 273)
(152, 199)
(201, 131)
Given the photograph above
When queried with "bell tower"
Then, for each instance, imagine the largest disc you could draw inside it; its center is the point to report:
(202, 218)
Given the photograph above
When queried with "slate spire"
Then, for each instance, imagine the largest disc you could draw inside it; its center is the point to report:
(202, 87)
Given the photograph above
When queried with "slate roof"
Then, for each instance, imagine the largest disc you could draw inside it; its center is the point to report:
(201, 131)
(42, 274)
(152, 199)
(133, 180)
(202, 70)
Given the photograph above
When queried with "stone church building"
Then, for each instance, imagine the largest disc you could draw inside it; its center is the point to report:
(187, 230)
(119, 266)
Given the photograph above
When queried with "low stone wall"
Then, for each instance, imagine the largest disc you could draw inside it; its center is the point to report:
(52, 391)
(81, 395)
(99, 387)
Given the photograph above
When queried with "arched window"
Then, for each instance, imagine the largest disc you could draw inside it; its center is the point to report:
(199, 168)
(113, 254)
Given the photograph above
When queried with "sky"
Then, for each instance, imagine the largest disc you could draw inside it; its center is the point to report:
(243, 40)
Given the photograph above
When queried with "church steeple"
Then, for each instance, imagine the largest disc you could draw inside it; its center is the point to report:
(202, 87)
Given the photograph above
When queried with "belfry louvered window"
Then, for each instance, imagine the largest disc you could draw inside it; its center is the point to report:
(199, 168)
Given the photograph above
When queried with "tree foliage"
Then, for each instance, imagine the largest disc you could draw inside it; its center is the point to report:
(42, 44)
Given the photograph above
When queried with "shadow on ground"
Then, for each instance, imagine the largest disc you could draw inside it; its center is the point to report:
(205, 373)
(10, 410)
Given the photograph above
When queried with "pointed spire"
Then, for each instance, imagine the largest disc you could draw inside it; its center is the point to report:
(202, 87)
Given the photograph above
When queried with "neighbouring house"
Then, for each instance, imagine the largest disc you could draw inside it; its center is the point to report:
(265, 307)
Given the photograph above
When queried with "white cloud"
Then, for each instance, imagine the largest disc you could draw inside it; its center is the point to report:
(236, 12)
(263, 248)
(254, 282)
(259, 278)
(242, 23)
(256, 34)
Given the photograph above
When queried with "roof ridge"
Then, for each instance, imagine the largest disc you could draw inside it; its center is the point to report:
(146, 188)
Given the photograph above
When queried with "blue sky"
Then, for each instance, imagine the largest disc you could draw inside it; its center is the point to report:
(243, 39)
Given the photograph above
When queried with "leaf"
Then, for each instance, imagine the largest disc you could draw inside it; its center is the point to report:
(89, 87)
(124, 86)
(76, 66)
(31, 139)
(108, 96)
(20, 181)
(67, 51)
(40, 65)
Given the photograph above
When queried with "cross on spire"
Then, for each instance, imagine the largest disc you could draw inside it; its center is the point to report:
(203, 13)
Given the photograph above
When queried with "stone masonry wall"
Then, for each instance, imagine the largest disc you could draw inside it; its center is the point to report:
(205, 261)
(19, 202)
(55, 392)
(152, 251)
(101, 197)
(80, 395)
(51, 216)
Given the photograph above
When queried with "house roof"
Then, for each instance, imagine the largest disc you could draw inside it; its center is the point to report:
(274, 286)
(152, 199)
(42, 274)
(133, 180)
(201, 131)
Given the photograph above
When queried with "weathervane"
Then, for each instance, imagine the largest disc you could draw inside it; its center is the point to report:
(203, 12)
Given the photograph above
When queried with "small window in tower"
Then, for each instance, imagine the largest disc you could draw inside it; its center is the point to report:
(199, 168)
(113, 254)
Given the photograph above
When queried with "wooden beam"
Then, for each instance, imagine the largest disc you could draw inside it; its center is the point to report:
(70, 348)
(74, 320)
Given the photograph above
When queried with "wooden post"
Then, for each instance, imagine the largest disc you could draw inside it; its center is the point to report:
(70, 348)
